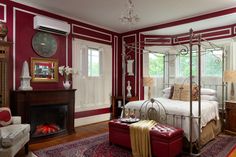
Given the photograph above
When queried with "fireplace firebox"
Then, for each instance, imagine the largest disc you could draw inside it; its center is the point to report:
(49, 112)
(47, 120)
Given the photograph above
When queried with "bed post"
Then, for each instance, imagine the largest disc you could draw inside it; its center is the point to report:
(190, 69)
(123, 75)
(224, 92)
(199, 92)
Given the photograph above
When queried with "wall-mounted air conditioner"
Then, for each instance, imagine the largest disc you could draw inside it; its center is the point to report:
(51, 25)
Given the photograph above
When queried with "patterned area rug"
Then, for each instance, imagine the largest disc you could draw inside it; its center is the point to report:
(220, 147)
(98, 146)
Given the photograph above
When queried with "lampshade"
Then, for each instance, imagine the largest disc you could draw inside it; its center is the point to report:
(148, 81)
(229, 76)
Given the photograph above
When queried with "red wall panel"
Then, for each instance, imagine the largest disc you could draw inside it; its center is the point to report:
(130, 55)
(24, 51)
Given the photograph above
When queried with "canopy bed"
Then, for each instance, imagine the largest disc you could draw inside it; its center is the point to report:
(185, 113)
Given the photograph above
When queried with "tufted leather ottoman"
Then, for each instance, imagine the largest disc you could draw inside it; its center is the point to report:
(166, 141)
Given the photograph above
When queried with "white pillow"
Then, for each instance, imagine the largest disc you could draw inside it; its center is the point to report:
(207, 91)
(209, 97)
(166, 95)
(166, 90)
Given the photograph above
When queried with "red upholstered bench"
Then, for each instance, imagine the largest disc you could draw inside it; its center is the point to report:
(166, 141)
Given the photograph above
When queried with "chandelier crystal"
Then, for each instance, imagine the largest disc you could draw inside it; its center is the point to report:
(129, 16)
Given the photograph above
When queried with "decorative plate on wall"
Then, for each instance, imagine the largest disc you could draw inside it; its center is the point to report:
(44, 44)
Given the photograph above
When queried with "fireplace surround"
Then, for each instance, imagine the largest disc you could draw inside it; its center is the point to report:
(49, 112)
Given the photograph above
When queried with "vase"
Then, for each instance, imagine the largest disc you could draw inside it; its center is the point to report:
(66, 84)
(3, 30)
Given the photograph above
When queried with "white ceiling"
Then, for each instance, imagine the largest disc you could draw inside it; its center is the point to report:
(106, 13)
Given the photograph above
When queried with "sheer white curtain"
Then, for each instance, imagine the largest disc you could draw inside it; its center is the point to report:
(92, 92)
(156, 89)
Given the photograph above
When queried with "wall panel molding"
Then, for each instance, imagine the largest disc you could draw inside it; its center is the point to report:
(130, 36)
(207, 35)
(157, 41)
(115, 66)
(91, 33)
(3, 12)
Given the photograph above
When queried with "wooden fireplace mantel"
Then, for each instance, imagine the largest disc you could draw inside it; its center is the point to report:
(21, 101)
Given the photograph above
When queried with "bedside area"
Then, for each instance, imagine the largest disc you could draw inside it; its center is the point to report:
(230, 107)
(117, 105)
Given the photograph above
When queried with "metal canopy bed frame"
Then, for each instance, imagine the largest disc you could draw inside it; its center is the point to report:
(194, 40)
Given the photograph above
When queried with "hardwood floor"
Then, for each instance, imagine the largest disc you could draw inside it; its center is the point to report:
(80, 132)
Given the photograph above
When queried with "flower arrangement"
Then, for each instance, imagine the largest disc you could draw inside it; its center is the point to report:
(65, 71)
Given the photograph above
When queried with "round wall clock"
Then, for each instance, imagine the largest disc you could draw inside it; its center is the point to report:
(44, 44)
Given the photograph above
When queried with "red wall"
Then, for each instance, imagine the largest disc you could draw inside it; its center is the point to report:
(24, 51)
(19, 19)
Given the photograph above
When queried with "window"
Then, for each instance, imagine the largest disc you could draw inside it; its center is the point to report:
(93, 62)
(211, 64)
(156, 65)
(183, 65)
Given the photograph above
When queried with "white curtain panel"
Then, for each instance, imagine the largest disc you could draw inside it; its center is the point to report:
(156, 89)
(92, 92)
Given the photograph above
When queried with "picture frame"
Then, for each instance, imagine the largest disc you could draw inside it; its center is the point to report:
(44, 70)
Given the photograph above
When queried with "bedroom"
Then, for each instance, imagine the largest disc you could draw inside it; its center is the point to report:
(105, 33)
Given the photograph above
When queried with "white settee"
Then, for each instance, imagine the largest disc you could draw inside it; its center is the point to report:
(14, 137)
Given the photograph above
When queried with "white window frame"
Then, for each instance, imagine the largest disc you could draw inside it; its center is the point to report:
(100, 61)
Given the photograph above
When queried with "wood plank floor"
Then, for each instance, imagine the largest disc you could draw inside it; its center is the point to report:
(80, 132)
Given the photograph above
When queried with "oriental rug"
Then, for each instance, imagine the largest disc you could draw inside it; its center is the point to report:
(98, 146)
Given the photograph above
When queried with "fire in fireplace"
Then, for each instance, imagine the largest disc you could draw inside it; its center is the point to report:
(46, 129)
(48, 119)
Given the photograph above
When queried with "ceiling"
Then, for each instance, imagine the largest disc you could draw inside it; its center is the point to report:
(106, 13)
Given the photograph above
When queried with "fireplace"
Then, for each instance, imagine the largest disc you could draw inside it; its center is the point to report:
(47, 119)
(49, 112)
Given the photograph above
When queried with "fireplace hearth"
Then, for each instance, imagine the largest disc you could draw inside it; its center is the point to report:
(49, 112)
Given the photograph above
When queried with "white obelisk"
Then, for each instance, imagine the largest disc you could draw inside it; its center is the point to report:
(25, 77)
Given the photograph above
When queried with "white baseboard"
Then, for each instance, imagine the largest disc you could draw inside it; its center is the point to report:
(92, 119)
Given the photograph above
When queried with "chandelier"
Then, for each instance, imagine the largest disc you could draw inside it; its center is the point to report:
(129, 16)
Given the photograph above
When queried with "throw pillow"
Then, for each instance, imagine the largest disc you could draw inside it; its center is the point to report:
(182, 92)
(5, 116)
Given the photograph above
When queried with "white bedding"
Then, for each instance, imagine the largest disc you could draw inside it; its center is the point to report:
(209, 111)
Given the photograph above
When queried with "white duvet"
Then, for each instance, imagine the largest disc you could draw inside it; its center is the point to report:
(209, 111)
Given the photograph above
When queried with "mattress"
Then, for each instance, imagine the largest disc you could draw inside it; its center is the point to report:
(209, 111)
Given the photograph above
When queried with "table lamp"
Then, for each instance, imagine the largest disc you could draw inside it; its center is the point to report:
(148, 81)
(230, 77)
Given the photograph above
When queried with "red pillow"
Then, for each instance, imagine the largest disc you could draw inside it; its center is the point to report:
(5, 116)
